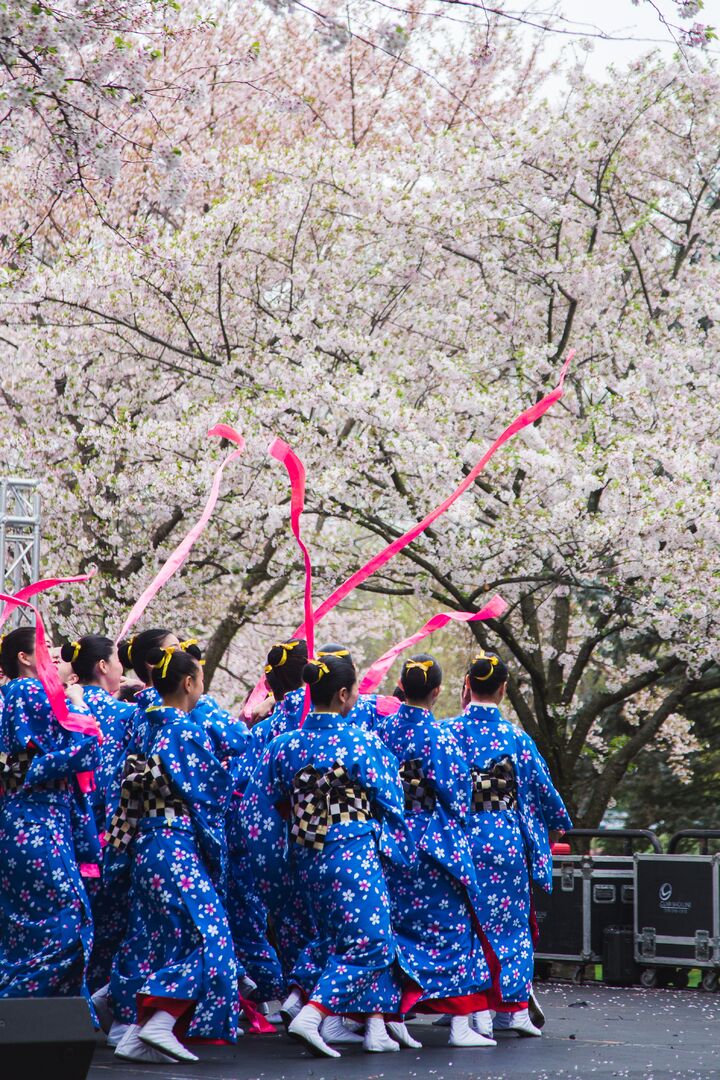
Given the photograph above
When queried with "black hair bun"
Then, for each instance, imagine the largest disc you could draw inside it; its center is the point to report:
(312, 672)
(194, 651)
(123, 650)
(275, 655)
(155, 656)
(67, 652)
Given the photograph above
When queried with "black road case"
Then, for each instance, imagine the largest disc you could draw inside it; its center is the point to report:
(590, 893)
(677, 915)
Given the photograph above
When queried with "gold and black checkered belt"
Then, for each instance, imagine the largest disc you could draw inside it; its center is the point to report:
(495, 789)
(13, 773)
(418, 790)
(321, 799)
(145, 792)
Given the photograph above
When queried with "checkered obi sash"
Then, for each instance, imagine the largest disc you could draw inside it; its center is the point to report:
(145, 792)
(419, 792)
(14, 769)
(496, 789)
(321, 799)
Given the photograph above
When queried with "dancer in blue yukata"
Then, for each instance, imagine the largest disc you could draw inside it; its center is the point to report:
(327, 800)
(95, 662)
(176, 965)
(45, 920)
(436, 909)
(515, 808)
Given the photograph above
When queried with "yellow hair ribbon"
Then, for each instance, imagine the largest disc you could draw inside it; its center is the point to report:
(2, 638)
(163, 664)
(424, 666)
(287, 647)
(340, 653)
(322, 668)
(493, 661)
(131, 642)
(184, 645)
(76, 647)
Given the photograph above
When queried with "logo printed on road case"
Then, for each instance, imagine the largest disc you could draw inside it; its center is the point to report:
(665, 891)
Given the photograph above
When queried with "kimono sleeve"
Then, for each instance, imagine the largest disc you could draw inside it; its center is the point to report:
(229, 736)
(203, 784)
(379, 771)
(451, 774)
(540, 787)
(262, 821)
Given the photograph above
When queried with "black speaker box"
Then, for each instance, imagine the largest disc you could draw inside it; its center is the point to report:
(45, 1037)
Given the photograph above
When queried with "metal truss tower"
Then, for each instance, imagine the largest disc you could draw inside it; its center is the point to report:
(19, 538)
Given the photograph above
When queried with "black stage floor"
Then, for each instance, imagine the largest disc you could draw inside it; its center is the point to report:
(591, 1031)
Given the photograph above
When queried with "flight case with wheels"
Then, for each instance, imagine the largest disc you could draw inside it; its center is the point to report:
(677, 914)
(590, 893)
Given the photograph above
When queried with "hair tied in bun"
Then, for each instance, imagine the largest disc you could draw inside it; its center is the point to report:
(163, 663)
(423, 665)
(493, 661)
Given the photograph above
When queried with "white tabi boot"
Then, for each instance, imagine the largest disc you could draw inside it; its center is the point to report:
(482, 1022)
(461, 1034)
(521, 1023)
(116, 1032)
(305, 1028)
(290, 1007)
(401, 1034)
(158, 1033)
(132, 1048)
(334, 1030)
(377, 1040)
(102, 1008)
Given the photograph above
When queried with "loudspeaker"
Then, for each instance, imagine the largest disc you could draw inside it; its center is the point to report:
(45, 1037)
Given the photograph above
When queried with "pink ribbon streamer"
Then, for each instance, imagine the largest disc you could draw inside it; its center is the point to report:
(48, 676)
(529, 416)
(26, 593)
(181, 552)
(296, 471)
(377, 672)
(258, 1024)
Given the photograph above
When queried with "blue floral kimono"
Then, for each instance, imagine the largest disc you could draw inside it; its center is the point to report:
(508, 832)
(178, 944)
(436, 909)
(45, 921)
(108, 893)
(325, 801)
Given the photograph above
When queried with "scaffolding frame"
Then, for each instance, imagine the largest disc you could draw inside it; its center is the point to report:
(19, 539)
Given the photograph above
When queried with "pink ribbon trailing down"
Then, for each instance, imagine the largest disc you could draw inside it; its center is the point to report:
(377, 672)
(181, 552)
(258, 1024)
(529, 416)
(296, 471)
(16, 600)
(48, 676)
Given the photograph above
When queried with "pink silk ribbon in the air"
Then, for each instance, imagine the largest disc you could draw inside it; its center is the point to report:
(181, 552)
(296, 471)
(48, 676)
(16, 600)
(522, 421)
(377, 672)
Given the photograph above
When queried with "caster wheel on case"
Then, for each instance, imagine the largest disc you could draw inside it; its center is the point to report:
(649, 978)
(709, 982)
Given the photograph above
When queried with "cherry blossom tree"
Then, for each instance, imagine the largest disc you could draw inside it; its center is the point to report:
(384, 280)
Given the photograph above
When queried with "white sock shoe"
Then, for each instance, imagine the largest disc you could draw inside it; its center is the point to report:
(377, 1040)
(102, 1008)
(305, 1028)
(246, 985)
(334, 1030)
(523, 1025)
(461, 1034)
(132, 1048)
(401, 1034)
(116, 1032)
(158, 1033)
(290, 1007)
(482, 1022)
